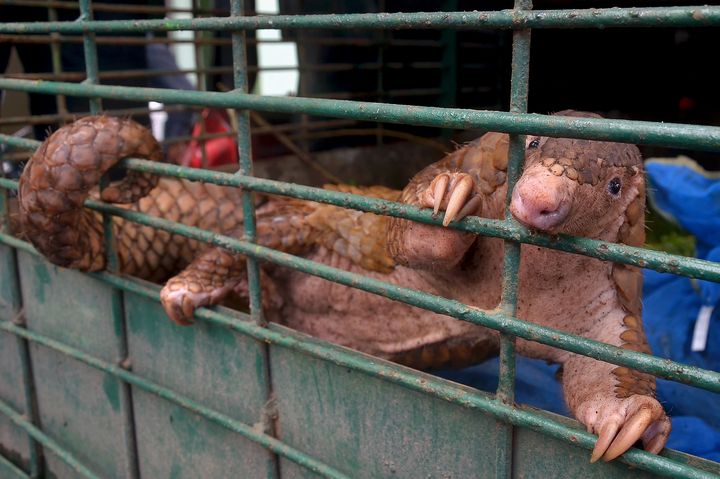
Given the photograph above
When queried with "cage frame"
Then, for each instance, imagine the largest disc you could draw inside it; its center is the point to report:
(517, 122)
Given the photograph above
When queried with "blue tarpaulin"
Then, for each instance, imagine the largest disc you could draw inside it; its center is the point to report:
(689, 196)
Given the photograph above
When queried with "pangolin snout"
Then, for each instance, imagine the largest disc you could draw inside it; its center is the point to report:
(541, 200)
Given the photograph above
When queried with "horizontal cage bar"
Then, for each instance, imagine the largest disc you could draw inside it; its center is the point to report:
(695, 16)
(120, 40)
(625, 131)
(327, 67)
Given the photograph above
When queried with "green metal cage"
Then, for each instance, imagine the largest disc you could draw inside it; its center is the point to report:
(238, 397)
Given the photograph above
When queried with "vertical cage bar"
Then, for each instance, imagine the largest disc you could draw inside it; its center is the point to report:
(240, 79)
(302, 85)
(201, 79)
(518, 104)
(448, 85)
(117, 311)
(200, 58)
(508, 304)
(56, 57)
(245, 157)
(384, 39)
(29, 399)
(90, 49)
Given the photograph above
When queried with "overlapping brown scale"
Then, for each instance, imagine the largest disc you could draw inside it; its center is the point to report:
(282, 225)
(486, 160)
(628, 284)
(632, 231)
(500, 151)
(584, 160)
(630, 381)
(557, 169)
(456, 353)
(353, 234)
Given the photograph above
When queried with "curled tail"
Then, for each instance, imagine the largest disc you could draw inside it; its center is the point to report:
(60, 175)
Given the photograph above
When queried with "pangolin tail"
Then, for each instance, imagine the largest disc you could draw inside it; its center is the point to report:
(60, 175)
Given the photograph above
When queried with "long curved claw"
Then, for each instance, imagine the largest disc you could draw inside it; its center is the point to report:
(441, 183)
(657, 435)
(606, 436)
(458, 197)
(470, 207)
(175, 313)
(633, 430)
(178, 306)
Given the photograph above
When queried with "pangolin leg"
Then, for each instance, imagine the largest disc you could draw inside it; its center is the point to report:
(281, 224)
(208, 281)
(616, 403)
(430, 247)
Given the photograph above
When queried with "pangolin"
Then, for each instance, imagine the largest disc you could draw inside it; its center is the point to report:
(578, 187)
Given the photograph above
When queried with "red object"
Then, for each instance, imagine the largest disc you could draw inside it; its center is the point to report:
(218, 151)
(686, 103)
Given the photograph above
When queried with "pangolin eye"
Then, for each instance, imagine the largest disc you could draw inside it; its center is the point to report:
(535, 143)
(614, 186)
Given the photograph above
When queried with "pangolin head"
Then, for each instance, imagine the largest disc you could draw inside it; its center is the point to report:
(577, 187)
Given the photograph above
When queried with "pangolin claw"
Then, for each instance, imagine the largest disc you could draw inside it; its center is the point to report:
(454, 192)
(605, 437)
(441, 183)
(630, 433)
(470, 207)
(461, 191)
(180, 303)
(656, 435)
(619, 423)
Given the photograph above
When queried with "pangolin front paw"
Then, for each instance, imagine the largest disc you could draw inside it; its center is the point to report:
(620, 422)
(456, 193)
